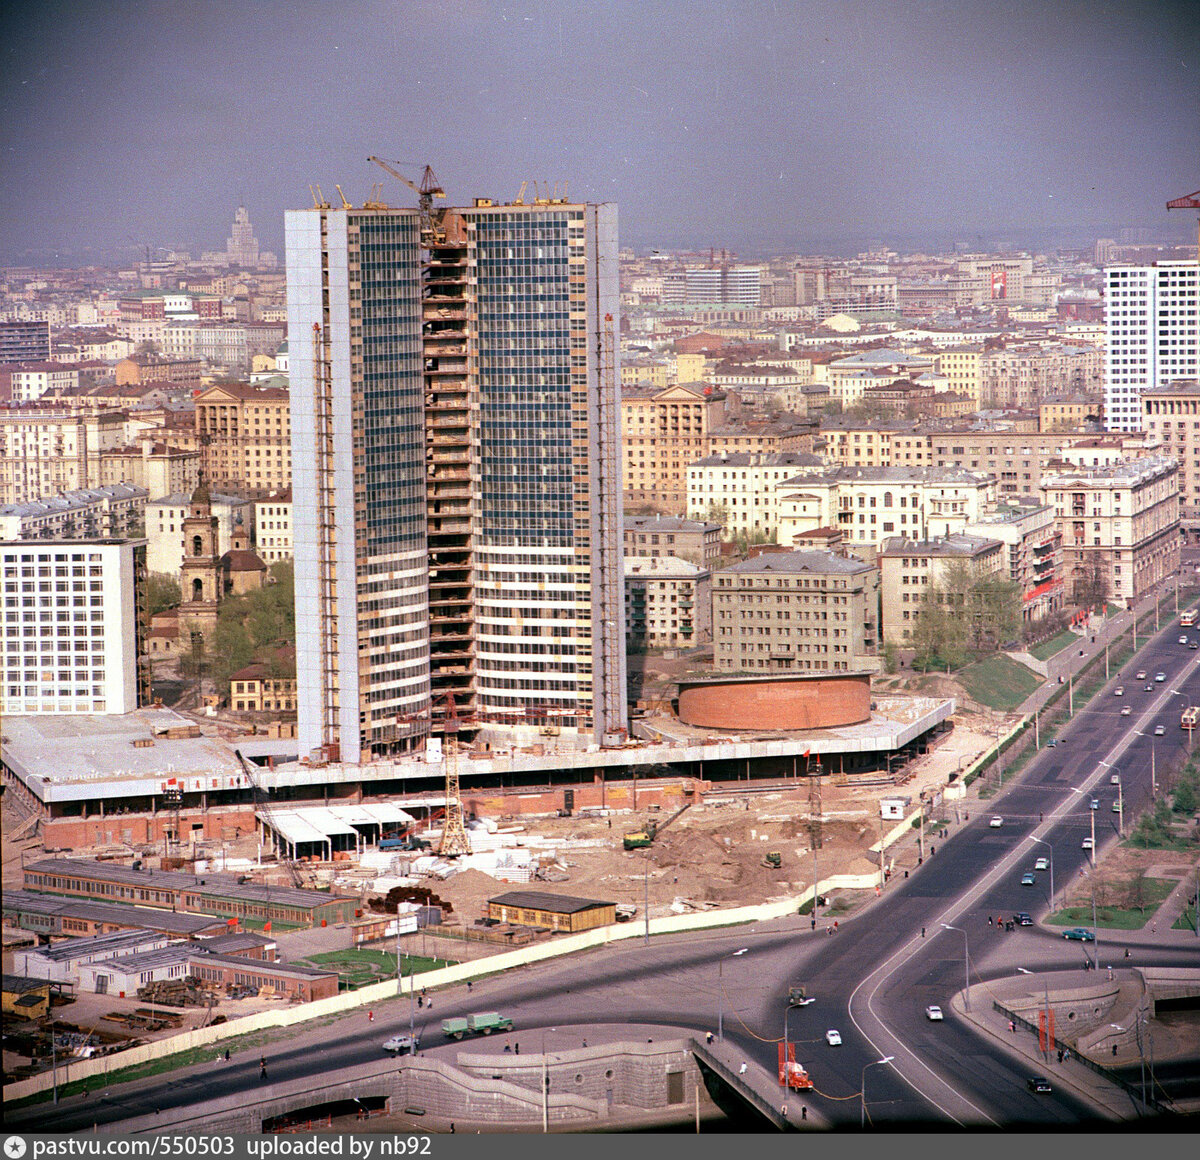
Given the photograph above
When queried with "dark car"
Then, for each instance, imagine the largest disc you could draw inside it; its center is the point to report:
(1039, 1084)
(1079, 934)
(1022, 919)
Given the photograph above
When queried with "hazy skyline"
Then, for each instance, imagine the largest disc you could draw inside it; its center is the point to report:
(755, 126)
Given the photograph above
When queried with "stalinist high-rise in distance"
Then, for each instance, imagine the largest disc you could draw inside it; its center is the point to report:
(457, 520)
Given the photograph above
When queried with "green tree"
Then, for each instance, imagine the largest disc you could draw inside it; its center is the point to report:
(1184, 797)
(162, 592)
(232, 649)
(891, 657)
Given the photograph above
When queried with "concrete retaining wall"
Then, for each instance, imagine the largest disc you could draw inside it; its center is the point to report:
(379, 992)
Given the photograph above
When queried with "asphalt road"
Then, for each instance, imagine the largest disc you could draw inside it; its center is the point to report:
(873, 979)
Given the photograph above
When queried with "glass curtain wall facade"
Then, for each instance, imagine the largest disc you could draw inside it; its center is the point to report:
(549, 586)
(456, 479)
(358, 449)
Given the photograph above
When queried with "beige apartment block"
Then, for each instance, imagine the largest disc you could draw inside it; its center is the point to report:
(870, 504)
(690, 367)
(663, 431)
(46, 449)
(960, 364)
(743, 488)
(692, 540)
(1020, 376)
(1171, 419)
(909, 568)
(668, 602)
(796, 612)
(762, 437)
(245, 432)
(1032, 539)
(1063, 414)
(856, 443)
(641, 373)
(1120, 526)
(1017, 459)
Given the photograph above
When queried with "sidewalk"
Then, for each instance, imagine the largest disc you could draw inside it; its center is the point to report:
(1107, 1099)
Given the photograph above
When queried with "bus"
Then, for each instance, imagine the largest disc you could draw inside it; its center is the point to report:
(1187, 619)
(1189, 718)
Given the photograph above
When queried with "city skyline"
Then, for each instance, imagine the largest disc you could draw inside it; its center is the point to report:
(761, 128)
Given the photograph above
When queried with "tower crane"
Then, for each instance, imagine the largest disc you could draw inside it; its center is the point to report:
(454, 832)
(1191, 201)
(429, 188)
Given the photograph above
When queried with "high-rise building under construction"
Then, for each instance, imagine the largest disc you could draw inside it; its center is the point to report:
(456, 473)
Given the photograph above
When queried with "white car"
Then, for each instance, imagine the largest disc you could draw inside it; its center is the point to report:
(934, 1014)
(996, 822)
(1042, 864)
(1126, 711)
(1141, 675)
(402, 1044)
(1119, 691)
(1114, 779)
(1159, 730)
(833, 1038)
(1086, 844)
(1183, 640)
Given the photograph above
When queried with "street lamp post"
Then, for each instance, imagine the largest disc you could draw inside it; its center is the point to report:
(1137, 1031)
(966, 966)
(1043, 842)
(721, 991)
(862, 1089)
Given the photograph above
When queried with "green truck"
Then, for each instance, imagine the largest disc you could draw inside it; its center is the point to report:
(483, 1023)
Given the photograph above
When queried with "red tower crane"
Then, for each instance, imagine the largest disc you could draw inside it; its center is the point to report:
(1190, 201)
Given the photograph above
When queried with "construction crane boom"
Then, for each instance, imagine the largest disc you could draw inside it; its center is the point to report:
(429, 188)
(1189, 201)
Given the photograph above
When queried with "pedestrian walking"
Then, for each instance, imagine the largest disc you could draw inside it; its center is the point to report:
(227, 1055)
(922, 932)
(1012, 1027)
(813, 924)
(835, 925)
(803, 1112)
(742, 1069)
(1060, 1055)
(516, 1049)
(585, 1043)
(451, 1127)
(468, 984)
(989, 920)
(1127, 952)
(262, 1068)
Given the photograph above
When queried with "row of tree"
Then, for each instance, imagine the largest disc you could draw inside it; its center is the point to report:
(967, 614)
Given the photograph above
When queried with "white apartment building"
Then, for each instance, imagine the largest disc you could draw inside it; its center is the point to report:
(100, 511)
(31, 381)
(273, 527)
(871, 504)
(1152, 335)
(741, 487)
(1171, 420)
(69, 626)
(668, 602)
(1120, 526)
(1033, 542)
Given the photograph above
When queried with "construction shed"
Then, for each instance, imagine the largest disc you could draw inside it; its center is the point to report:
(559, 912)
(26, 998)
(300, 984)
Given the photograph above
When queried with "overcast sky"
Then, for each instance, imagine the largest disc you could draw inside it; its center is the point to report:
(752, 125)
